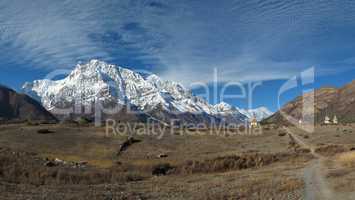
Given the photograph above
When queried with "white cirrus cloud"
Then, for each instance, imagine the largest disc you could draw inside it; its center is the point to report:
(182, 40)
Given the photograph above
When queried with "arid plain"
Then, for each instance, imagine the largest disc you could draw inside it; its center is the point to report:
(74, 161)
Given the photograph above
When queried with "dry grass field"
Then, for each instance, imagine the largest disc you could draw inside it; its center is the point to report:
(82, 162)
(335, 145)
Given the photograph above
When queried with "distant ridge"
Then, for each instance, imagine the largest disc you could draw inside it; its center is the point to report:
(329, 101)
(20, 107)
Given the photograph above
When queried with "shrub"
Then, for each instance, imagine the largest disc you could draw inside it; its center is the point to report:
(29, 122)
(44, 131)
(83, 121)
(347, 159)
(330, 150)
(161, 169)
(227, 163)
(281, 133)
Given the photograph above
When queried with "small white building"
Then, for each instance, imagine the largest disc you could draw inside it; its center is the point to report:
(300, 122)
(335, 120)
(327, 120)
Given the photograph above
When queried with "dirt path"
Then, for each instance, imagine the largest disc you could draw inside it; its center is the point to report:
(316, 186)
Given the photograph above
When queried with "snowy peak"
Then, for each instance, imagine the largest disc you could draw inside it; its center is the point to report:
(229, 113)
(259, 113)
(224, 107)
(85, 84)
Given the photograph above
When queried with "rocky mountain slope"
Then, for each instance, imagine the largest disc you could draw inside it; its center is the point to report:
(328, 101)
(20, 107)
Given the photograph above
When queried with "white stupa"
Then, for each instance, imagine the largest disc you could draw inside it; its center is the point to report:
(335, 120)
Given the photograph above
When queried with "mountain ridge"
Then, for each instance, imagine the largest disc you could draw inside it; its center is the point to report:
(328, 101)
(20, 107)
(111, 84)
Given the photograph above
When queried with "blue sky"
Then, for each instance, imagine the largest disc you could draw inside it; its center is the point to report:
(184, 40)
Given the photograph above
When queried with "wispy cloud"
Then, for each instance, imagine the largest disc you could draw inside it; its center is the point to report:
(181, 40)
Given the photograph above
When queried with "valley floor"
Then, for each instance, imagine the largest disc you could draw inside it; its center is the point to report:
(83, 162)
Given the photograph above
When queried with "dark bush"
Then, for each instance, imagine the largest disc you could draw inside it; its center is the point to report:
(44, 131)
(161, 169)
(241, 128)
(281, 134)
(267, 128)
(83, 121)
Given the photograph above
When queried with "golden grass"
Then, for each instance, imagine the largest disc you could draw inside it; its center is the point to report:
(25, 168)
(347, 159)
(96, 150)
(147, 165)
(97, 155)
(259, 188)
(98, 162)
(290, 184)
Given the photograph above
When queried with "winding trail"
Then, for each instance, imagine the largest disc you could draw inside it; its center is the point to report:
(316, 186)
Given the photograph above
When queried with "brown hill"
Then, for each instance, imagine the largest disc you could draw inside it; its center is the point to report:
(20, 107)
(327, 102)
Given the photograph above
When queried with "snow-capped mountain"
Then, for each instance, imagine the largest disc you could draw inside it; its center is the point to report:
(229, 113)
(259, 113)
(224, 108)
(227, 109)
(98, 81)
